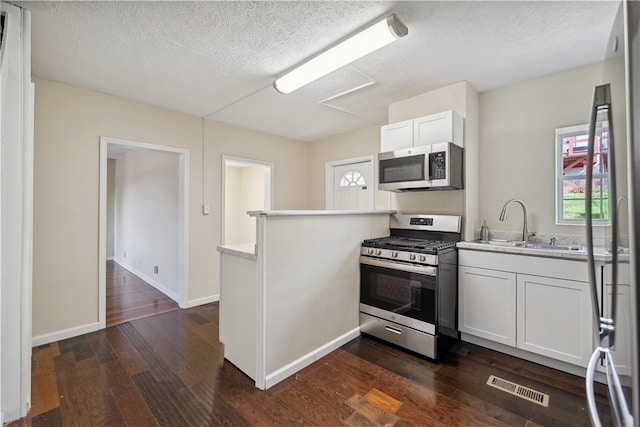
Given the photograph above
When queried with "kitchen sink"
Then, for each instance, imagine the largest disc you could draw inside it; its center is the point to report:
(539, 246)
(553, 247)
(509, 243)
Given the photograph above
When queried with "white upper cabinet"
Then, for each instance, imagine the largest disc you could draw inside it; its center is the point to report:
(396, 136)
(447, 126)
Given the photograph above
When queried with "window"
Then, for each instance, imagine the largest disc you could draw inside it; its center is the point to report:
(352, 178)
(571, 174)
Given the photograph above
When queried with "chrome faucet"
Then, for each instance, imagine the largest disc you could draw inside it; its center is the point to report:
(525, 228)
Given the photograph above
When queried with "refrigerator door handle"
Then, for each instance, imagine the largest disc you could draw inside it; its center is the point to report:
(604, 328)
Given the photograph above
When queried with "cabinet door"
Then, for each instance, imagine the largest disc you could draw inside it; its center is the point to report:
(555, 318)
(396, 136)
(621, 351)
(433, 129)
(487, 304)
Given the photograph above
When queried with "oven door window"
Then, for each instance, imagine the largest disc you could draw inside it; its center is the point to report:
(410, 294)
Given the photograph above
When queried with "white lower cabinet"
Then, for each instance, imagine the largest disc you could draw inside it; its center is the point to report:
(487, 304)
(554, 318)
(540, 305)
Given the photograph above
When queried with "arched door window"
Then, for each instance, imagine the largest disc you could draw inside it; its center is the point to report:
(352, 178)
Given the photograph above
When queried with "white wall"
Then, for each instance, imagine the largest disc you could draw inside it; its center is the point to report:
(146, 216)
(16, 210)
(111, 183)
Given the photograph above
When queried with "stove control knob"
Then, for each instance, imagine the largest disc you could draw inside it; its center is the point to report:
(378, 252)
(412, 257)
(370, 251)
(394, 254)
(423, 258)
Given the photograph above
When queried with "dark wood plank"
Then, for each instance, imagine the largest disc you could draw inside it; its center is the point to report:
(50, 418)
(84, 399)
(169, 370)
(128, 297)
(135, 410)
(44, 387)
(161, 405)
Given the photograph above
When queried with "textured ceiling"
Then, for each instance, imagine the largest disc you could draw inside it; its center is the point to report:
(218, 59)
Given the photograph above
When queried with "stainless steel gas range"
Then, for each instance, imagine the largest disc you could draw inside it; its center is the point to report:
(409, 283)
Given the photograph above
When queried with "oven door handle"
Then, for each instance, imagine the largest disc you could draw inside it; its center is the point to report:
(409, 268)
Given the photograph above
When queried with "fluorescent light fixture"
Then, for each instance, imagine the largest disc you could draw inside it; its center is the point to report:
(366, 41)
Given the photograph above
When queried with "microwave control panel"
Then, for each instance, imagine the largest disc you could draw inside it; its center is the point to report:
(438, 165)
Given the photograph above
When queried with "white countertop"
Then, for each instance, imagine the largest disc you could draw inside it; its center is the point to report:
(601, 254)
(318, 213)
(242, 250)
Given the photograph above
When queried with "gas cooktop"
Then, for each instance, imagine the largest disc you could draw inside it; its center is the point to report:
(408, 243)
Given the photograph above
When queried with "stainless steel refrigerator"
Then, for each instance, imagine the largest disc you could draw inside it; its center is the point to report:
(613, 261)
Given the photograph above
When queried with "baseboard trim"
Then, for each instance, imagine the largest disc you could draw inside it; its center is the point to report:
(306, 360)
(111, 258)
(201, 301)
(159, 286)
(64, 334)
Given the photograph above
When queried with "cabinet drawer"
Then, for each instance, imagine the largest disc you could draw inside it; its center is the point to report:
(394, 333)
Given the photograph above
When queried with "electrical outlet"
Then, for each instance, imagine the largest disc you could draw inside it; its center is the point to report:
(206, 209)
(155, 269)
(124, 254)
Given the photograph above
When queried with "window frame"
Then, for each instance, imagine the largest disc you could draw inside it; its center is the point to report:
(560, 134)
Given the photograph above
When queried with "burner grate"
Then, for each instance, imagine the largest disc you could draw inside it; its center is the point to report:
(408, 243)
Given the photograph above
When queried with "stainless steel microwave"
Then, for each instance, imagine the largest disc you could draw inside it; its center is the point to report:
(426, 167)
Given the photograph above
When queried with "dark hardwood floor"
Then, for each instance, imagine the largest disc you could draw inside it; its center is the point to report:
(169, 370)
(129, 297)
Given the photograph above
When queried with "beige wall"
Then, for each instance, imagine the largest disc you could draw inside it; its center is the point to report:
(68, 124)
(462, 98)
(348, 145)
(514, 153)
(517, 157)
(232, 201)
(245, 190)
(252, 199)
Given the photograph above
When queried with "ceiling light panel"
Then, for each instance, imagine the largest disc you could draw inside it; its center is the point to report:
(370, 39)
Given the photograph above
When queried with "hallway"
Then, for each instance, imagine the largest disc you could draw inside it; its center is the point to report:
(129, 297)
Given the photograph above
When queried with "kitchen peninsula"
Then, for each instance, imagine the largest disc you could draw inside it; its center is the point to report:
(292, 298)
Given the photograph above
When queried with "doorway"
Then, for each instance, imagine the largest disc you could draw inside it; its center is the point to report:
(350, 184)
(149, 198)
(246, 186)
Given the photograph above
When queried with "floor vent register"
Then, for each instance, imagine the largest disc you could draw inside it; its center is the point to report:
(518, 390)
